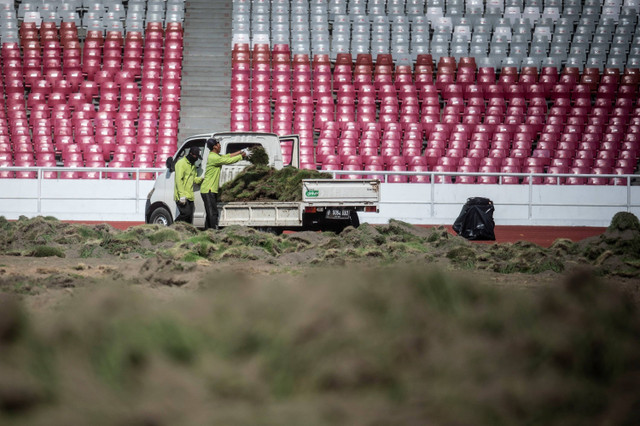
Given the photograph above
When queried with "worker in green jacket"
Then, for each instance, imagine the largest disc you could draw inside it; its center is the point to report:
(186, 177)
(210, 185)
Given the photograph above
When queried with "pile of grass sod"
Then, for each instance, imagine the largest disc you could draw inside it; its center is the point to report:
(263, 183)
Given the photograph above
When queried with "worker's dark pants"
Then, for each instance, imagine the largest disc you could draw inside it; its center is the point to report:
(211, 208)
(186, 212)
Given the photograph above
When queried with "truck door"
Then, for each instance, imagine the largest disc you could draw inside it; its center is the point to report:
(290, 146)
(199, 213)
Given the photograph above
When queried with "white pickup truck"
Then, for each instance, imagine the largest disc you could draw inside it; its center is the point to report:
(327, 204)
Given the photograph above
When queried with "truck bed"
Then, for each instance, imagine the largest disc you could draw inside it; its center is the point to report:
(316, 193)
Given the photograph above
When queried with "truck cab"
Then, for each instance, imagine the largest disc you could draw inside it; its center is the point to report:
(161, 207)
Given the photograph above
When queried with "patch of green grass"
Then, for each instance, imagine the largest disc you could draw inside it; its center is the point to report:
(121, 244)
(4, 223)
(549, 264)
(88, 233)
(504, 268)
(126, 346)
(592, 252)
(200, 238)
(417, 246)
(563, 246)
(192, 257)
(286, 246)
(271, 244)
(462, 255)
(163, 235)
(46, 251)
(623, 221)
(87, 251)
(237, 253)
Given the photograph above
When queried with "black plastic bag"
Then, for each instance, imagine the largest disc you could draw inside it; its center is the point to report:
(475, 221)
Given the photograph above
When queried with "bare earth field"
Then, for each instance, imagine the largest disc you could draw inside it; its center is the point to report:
(378, 325)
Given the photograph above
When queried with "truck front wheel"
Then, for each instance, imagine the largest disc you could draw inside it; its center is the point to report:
(161, 216)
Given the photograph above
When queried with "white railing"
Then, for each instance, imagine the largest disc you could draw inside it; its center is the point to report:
(516, 204)
(558, 177)
(97, 198)
(108, 199)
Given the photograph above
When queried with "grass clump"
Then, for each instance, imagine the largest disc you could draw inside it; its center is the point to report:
(46, 251)
(262, 183)
(4, 223)
(462, 255)
(123, 243)
(259, 156)
(163, 235)
(623, 221)
(129, 344)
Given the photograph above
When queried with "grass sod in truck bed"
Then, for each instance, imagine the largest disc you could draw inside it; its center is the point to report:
(260, 182)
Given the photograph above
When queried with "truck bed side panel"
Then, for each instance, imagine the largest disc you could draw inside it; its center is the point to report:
(261, 214)
(340, 192)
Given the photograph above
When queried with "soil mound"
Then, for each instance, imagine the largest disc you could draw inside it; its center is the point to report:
(616, 252)
(263, 183)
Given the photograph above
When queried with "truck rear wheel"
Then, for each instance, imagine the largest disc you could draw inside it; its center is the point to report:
(317, 222)
(355, 220)
(352, 221)
(270, 230)
(161, 216)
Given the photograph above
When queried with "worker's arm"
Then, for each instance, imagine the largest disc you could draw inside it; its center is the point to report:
(221, 160)
(181, 174)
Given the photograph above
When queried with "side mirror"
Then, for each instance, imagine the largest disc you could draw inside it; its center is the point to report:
(170, 164)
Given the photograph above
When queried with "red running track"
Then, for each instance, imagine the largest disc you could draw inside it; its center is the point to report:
(541, 235)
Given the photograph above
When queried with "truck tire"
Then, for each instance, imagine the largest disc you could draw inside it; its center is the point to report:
(355, 220)
(270, 230)
(161, 216)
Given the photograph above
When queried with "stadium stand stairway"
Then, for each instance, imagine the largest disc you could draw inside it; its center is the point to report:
(206, 67)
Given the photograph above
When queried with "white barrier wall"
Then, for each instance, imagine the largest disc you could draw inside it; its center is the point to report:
(77, 199)
(550, 205)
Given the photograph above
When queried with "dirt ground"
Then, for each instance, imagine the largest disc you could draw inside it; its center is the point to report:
(391, 324)
(179, 263)
(49, 281)
(144, 255)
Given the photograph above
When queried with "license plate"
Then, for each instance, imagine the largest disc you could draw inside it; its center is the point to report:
(337, 214)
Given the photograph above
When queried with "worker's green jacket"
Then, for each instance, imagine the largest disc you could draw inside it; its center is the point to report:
(215, 162)
(185, 178)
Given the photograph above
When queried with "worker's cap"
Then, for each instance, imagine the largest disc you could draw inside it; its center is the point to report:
(211, 142)
(194, 151)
